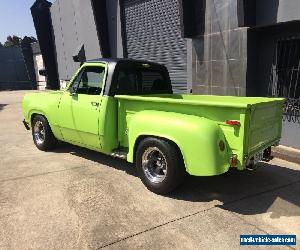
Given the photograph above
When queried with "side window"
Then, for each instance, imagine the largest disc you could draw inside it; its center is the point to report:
(90, 81)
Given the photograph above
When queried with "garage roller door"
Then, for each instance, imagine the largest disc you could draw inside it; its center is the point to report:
(152, 32)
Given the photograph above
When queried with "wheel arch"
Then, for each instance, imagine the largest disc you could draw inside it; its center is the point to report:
(43, 137)
(141, 137)
(55, 130)
(35, 113)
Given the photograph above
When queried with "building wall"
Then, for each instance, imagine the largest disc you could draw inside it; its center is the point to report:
(223, 57)
(262, 43)
(114, 27)
(220, 60)
(39, 65)
(276, 11)
(13, 73)
(219, 55)
(153, 33)
(70, 32)
(74, 26)
(38, 62)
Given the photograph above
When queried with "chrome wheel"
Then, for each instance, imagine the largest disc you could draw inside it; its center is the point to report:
(39, 132)
(154, 165)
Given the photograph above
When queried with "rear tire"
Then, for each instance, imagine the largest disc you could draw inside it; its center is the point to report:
(42, 134)
(159, 165)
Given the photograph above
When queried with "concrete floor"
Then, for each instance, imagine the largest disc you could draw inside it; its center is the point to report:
(78, 199)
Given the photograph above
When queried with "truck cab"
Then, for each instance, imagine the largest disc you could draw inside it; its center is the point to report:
(88, 111)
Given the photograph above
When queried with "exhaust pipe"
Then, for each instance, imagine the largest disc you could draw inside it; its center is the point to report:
(251, 164)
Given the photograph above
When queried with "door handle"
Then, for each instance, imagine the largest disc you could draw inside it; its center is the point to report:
(95, 104)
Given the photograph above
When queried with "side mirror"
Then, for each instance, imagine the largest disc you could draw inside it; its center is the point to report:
(73, 90)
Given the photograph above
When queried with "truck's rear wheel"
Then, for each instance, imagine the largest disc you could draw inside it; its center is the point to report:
(160, 165)
(42, 134)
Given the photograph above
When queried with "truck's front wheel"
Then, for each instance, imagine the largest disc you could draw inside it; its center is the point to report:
(42, 134)
(160, 165)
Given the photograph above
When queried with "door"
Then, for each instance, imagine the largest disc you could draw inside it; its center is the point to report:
(80, 107)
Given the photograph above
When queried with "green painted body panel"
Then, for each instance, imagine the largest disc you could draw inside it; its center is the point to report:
(45, 103)
(197, 138)
(260, 119)
(196, 123)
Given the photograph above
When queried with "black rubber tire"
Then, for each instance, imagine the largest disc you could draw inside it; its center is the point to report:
(175, 172)
(50, 141)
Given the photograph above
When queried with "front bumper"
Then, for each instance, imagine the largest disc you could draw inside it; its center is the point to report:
(26, 125)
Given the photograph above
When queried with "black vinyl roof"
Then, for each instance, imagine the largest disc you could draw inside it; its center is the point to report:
(116, 63)
(117, 60)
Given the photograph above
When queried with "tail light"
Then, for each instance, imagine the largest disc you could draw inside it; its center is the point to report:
(233, 161)
(233, 122)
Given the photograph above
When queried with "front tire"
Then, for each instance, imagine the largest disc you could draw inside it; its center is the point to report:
(159, 165)
(42, 134)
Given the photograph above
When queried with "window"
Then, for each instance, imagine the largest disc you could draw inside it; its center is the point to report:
(127, 82)
(152, 81)
(90, 81)
(285, 77)
(142, 81)
(285, 73)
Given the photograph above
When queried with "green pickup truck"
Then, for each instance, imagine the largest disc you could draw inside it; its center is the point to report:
(126, 109)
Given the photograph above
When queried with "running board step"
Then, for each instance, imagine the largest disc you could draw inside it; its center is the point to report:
(120, 153)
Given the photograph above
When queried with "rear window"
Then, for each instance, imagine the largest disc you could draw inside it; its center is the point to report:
(142, 80)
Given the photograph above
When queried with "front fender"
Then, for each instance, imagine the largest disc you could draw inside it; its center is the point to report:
(43, 103)
(197, 138)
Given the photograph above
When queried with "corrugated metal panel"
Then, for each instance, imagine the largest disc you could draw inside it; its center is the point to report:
(153, 33)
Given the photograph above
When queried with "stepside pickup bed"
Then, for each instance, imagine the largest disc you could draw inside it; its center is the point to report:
(126, 108)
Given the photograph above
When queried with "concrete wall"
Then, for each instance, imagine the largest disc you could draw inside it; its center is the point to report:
(39, 65)
(219, 56)
(74, 25)
(275, 11)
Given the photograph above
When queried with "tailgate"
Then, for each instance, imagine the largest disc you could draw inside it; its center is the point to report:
(264, 125)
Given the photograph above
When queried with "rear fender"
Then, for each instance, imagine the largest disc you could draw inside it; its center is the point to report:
(197, 138)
